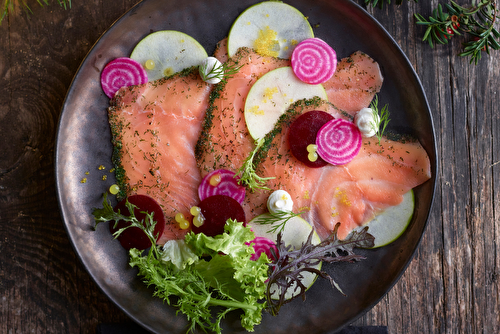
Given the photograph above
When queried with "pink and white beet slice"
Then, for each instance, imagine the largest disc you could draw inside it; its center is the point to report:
(338, 141)
(314, 61)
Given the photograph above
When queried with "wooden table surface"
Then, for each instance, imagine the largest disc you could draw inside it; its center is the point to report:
(451, 286)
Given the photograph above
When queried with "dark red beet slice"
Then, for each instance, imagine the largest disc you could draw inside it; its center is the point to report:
(134, 237)
(217, 209)
(303, 132)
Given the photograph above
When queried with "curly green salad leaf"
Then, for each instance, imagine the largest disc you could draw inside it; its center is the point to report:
(201, 274)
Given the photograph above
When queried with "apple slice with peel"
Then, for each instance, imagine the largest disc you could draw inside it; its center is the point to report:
(295, 233)
(271, 28)
(270, 97)
(391, 223)
(166, 52)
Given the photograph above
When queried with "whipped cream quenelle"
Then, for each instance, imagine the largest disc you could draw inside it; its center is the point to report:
(367, 122)
(279, 201)
(211, 70)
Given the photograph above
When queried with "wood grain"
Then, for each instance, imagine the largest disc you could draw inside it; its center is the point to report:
(451, 286)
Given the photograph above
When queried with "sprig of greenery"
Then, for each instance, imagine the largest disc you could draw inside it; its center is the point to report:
(226, 279)
(381, 3)
(477, 20)
(277, 220)
(381, 119)
(287, 271)
(218, 70)
(8, 6)
(246, 174)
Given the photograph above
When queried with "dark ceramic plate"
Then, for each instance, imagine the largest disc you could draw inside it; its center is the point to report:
(83, 144)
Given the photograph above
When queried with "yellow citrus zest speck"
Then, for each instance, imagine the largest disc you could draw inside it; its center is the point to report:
(267, 44)
(101, 167)
(334, 212)
(255, 110)
(269, 92)
(306, 194)
(344, 199)
(84, 180)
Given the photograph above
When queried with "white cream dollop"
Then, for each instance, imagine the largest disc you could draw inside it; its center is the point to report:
(279, 201)
(367, 122)
(211, 70)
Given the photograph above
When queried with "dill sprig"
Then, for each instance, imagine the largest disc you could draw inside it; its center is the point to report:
(247, 175)
(381, 119)
(223, 71)
(477, 21)
(8, 6)
(277, 220)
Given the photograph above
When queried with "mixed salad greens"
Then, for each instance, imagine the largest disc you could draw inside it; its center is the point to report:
(201, 274)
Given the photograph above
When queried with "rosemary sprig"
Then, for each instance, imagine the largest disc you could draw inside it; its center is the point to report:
(8, 6)
(247, 175)
(477, 20)
(381, 3)
(381, 119)
(277, 220)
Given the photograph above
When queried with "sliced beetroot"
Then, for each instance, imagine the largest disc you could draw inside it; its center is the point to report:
(134, 237)
(122, 72)
(263, 245)
(226, 185)
(338, 141)
(314, 61)
(303, 132)
(217, 210)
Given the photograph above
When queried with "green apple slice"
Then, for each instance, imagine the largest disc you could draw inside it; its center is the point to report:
(295, 233)
(270, 97)
(277, 26)
(391, 223)
(166, 52)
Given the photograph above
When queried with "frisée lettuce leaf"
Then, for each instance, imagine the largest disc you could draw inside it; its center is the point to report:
(201, 275)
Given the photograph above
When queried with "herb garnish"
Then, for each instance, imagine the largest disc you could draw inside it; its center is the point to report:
(279, 218)
(216, 273)
(381, 119)
(287, 271)
(218, 70)
(246, 173)
(477, 20)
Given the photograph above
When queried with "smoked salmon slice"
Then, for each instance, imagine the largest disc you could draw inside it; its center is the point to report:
(225, 141)
(350, 194)
(356, 81)
(155, 127)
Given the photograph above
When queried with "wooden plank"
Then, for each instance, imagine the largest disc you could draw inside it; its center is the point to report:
(451, 286)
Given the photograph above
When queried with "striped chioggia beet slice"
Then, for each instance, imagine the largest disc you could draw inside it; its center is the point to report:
(263, 245)
(122, 72)
(221, 182)
(314, 61)
(338, 141)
